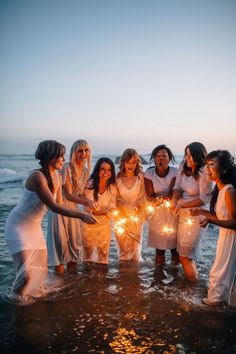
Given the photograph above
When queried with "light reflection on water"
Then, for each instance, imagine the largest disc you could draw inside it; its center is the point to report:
(120, 308)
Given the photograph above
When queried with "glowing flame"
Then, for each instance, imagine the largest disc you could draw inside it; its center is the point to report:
(120, 230)
(134, 218)
(188, 221)
(115, 212)
(167, 203)
(168, 229)
(150, 208)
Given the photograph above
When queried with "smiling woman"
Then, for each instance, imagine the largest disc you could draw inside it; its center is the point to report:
(191, 190)
(23, 231)
(130, 197)
(101, 189)
(64, 235)
(221, 169)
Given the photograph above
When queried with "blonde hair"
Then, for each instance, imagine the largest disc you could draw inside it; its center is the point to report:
(126, 156)
(78, 144)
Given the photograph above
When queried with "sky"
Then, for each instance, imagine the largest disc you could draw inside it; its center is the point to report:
(118, 73)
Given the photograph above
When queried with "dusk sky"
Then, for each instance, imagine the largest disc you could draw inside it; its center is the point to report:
(119, 73)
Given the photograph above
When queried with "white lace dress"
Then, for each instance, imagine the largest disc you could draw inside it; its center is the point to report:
(163, 216)
(96, 238)
(189, 232)
(223, 272)
(129, 242)
(26, 243)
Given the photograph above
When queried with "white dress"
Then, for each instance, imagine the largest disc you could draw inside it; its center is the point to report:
(64, 239)
(26, 243)
(129, 242)
(163, 216)
(223, 272)
(189, 231)
(97, 237)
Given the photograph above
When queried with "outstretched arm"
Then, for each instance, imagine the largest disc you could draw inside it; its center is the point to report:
(37, 183)
(230, 200)
(77, 199)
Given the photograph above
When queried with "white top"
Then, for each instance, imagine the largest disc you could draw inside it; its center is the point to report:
(131, 196)
(161, 185)
(105, 200)
(192, 188)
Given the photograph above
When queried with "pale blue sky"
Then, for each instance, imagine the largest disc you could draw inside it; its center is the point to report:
(119, 73)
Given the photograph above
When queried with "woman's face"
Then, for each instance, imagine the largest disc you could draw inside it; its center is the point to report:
(82, 154)
(131, 164)
(162, 159)
(212, 169)
(105, 171)
(189, 159)
(58, 163)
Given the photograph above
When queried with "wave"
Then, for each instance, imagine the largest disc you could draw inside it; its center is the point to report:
(9, 176)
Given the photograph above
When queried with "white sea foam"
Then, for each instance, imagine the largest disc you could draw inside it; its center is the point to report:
(8, 176)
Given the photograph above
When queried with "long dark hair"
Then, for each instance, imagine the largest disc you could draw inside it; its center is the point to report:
(162, 147)
(95, 175)
(227, 172)
(47, 151)
(198, 153)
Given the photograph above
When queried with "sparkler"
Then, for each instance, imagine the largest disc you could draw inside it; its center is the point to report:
(126, 218)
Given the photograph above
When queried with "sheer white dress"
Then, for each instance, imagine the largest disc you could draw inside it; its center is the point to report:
(189, 232)
(162, 216)
(97, 237)
(64, 240)
(26, 243)
(223, 272)
(129, 242)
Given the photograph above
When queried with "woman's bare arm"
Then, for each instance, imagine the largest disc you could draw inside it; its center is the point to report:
(38, 183)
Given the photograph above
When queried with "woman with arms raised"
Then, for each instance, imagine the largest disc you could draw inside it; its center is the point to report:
(23, 231)
(221, 169)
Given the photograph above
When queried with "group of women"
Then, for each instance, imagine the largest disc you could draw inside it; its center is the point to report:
(83, 208)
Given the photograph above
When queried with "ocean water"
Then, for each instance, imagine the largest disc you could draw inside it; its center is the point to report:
(119, 308)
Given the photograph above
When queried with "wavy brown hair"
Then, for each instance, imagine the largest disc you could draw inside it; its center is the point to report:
(47, 151)
(126, 156)
(198, 153)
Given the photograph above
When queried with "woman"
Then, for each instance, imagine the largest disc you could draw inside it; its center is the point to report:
(221, 169)
(191, 190)
(23, 232)
(159, 182)
(130, 198)
(64, 235)
(100, 188)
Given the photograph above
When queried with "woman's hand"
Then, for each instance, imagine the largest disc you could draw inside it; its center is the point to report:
(176, 207)
(94, 205)
(195, 212)
(204, 222)
(89, 219)
(110, 213)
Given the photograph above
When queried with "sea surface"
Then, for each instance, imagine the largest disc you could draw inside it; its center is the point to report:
(119, 308)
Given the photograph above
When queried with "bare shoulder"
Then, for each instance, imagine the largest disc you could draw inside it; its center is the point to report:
(230, 198)
(230, 192)
(141, 175)
(35, 178)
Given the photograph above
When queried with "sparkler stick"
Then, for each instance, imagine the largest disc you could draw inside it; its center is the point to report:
(124, 218)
